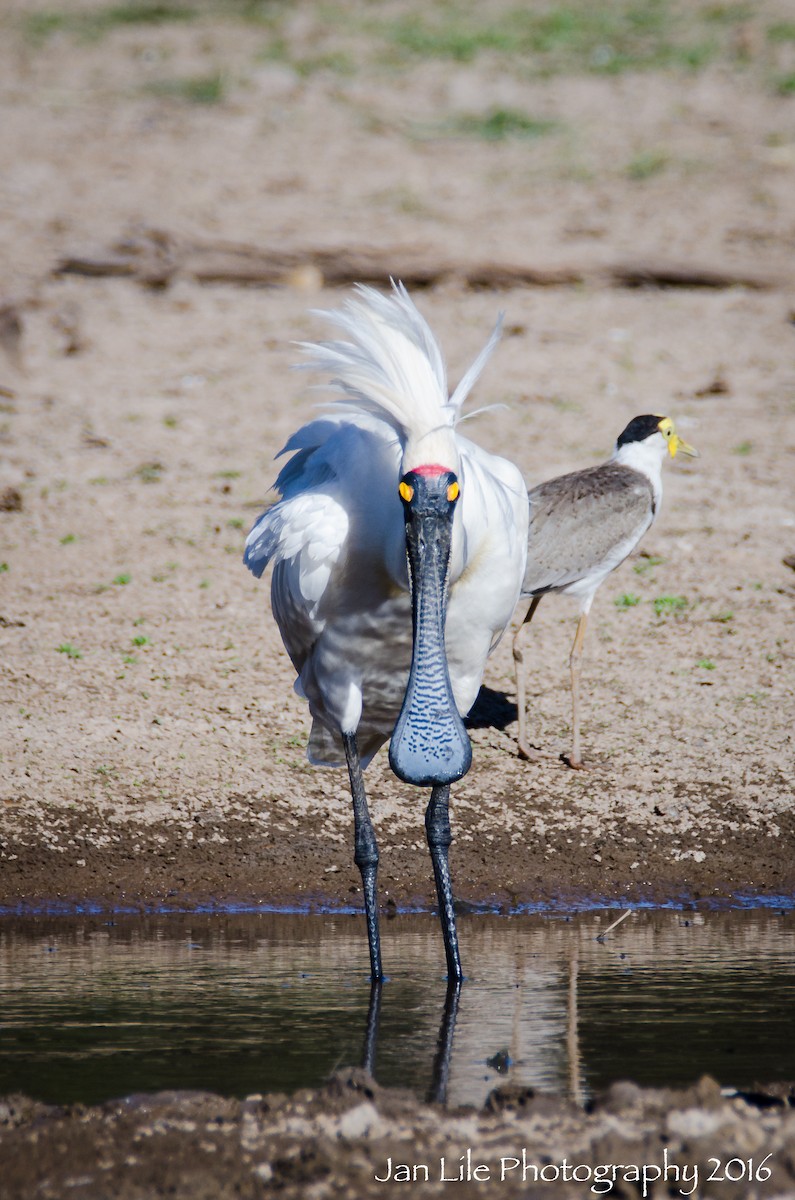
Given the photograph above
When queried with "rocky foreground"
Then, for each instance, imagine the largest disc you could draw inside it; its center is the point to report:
(356, 1139)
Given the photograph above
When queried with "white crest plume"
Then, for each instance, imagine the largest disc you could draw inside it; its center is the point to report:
(392, 367)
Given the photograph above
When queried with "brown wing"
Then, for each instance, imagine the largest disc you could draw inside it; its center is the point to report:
(582, 521)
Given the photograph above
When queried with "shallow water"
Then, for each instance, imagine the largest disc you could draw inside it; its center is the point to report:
(91, 1009)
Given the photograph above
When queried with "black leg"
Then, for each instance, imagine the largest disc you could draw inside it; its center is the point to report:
(437, 827)
(371, 1032)
(365, 854)
(441, 1064)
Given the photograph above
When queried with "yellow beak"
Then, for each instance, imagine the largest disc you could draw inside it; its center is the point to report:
(675, 444)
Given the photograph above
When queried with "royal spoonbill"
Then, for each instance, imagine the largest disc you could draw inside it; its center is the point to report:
(399, 551)
(583, 526)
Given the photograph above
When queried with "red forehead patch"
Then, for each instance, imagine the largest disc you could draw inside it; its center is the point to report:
(431, 469)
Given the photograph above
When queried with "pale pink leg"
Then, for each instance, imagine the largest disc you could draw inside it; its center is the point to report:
(521, 692)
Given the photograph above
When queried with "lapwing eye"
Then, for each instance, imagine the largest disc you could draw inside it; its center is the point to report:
(453, 492)
(406, 491)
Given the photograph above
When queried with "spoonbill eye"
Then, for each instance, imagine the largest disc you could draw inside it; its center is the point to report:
(453, 492)
(406, 491)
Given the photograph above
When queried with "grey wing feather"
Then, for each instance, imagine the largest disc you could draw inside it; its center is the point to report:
(580, 521)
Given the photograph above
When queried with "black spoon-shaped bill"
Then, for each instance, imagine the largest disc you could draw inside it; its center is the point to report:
(429, 744)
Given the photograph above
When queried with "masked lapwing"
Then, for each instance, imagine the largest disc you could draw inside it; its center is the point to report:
(582, 526)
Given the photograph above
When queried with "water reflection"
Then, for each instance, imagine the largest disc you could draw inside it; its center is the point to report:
(441, 1064)
(253, 1003)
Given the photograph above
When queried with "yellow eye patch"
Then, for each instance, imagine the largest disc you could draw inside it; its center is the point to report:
(406, 492)
(453, 492)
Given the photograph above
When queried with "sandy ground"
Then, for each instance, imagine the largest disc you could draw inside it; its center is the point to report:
(167, 760)
(151, 748)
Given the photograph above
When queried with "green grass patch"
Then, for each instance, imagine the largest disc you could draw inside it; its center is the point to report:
(431, 37)
(783, 31)
(646, 164)
(627, 600)
(193, 89)
(123, 579)
(728, 14)
(67, 539)
(706, 664)
(578, 36)
(666, 606)
(785, 84)
(42, 25)
(500, 123)
(336, 62)
(90, 24)
(69, 650)
(647, 563)
(558, 36)
(743, 448)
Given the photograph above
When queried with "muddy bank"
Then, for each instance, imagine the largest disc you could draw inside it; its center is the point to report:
(221, 864)
(337, 1140)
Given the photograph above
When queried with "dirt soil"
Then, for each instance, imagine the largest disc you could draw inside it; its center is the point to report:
(151, 747)
(354, 1139)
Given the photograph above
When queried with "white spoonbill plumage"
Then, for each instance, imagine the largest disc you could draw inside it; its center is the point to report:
(583, 526)
(399, 550)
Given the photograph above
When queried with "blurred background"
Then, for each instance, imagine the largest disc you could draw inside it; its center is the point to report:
(182, 181)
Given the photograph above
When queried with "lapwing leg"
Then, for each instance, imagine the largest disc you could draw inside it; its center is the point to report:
(575, 664)
(573, 1035)
(521, 691)
(365, 853)
(437, 828)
